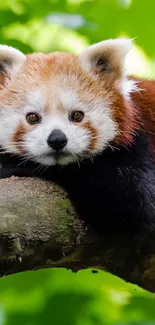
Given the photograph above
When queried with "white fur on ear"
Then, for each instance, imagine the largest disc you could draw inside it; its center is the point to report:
(10, 60)
(108, 56)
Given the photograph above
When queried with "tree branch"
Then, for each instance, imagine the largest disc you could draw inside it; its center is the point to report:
(39, 228)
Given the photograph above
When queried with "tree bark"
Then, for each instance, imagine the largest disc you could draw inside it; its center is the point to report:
(39, 228)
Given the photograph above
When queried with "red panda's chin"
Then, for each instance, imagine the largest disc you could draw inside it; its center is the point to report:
(52, 160)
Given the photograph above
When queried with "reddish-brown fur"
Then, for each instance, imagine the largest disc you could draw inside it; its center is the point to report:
(126, 117)
(18, 136)
(93, 132)
(144, 102)
(135, 114)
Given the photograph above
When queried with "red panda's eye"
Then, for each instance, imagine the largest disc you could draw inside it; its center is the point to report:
(33, 118)
(76, 116)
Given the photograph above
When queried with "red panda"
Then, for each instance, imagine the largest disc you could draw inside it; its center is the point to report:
(85, 114)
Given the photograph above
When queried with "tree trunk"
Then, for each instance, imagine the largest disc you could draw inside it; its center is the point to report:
(39, 228)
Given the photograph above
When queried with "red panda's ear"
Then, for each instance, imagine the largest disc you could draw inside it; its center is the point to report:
(10, 62)
(106, 58)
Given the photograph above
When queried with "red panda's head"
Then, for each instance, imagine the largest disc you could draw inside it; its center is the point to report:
(61, 108)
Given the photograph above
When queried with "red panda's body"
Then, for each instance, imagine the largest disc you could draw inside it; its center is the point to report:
(83, 113)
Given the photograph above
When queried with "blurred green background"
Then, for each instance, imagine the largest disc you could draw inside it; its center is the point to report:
(60, 297)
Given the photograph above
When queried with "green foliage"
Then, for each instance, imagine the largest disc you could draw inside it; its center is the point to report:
(47, 25)
(59, 296)
(62, 297)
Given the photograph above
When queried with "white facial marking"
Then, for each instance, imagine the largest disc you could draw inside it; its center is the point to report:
(96, 111)
(36, 99)
(8, 124)
(78, 137)
(68, 99)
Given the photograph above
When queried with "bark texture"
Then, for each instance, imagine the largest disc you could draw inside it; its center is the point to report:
(39, 228)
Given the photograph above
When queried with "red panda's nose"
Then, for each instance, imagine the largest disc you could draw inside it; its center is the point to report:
(57, 140)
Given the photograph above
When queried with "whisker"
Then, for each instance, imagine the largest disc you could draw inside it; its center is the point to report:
(37, 168)
(111, 147)
(87, 156)
(41, 168)
(24, 160)
(76, 157)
